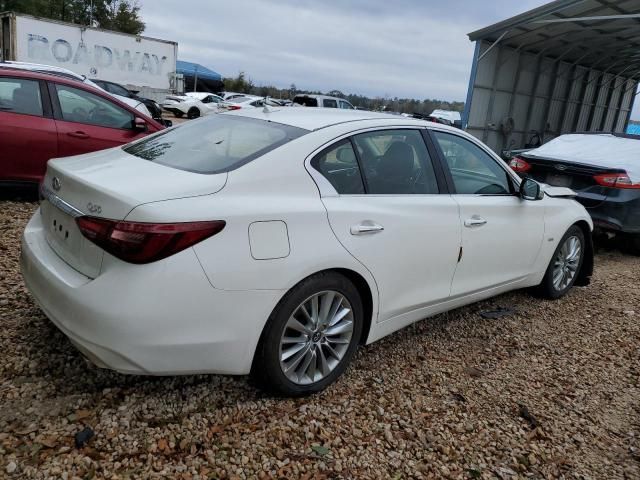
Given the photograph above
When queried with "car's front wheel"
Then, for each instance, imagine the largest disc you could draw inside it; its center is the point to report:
(311, 336)
(565, 265)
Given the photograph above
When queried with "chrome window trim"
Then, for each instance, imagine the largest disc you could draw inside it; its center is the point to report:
(57, 202)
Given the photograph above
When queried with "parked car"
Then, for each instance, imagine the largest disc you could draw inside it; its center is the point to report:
(274, 243)
(324, 101)
(249, 102)
(66, 73)
(192, 104)
(448, 117)
(44, 116)
(604, 170)
(117, 89)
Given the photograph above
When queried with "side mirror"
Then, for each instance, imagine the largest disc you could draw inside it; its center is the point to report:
(140, 125)
(530, 189)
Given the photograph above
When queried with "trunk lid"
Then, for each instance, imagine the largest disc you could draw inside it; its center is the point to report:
(576, 176)
(107, 184)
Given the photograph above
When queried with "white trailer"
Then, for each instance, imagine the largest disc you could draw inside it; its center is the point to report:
(141, 63)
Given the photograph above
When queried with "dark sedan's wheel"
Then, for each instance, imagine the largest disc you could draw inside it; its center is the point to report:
(565, 265)
(310, 337)
(178, 113)
(193, 113)
(632, 244)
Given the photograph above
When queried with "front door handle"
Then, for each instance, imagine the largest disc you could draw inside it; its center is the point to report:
(78, 134)
(366, 228)
(475, 221)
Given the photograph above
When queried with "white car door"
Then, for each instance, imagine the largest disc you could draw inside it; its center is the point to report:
(501, 233)
(211, 103)
(390, 216)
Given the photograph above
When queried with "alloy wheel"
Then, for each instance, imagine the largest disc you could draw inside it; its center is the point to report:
(566, 263)
(316, 337)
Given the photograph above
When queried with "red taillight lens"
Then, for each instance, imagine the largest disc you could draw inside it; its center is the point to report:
(519, 165)
(615, 180)
(137, 242)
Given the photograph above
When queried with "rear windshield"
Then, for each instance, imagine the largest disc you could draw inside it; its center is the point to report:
(216, 144)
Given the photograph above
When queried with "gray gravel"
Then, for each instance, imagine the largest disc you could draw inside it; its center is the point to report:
(551, 391)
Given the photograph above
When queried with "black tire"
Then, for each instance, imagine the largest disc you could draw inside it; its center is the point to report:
(631, 244)
(267, 372)
(178, 113)
(193, 113)
(547, 289)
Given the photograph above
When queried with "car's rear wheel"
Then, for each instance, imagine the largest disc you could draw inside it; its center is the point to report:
(631, 244)
(193, 113)
(565, 264)
(311, 336)
(178, 113)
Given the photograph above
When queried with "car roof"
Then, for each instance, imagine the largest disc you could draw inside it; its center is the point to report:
(317, 118)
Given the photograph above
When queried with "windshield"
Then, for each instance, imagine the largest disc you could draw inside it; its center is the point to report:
(215, 144)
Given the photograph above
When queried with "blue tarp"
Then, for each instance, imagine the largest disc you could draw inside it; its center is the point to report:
(189, 69)
(633, 129)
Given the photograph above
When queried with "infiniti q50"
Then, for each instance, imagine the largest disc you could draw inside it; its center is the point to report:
(274, 242)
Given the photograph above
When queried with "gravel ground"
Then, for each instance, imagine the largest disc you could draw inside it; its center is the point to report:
(551, 391)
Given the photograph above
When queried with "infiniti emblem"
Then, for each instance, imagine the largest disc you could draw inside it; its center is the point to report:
(55, 183)
(560, 167)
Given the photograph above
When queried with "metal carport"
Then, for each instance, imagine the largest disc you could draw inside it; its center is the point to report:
(570, 65)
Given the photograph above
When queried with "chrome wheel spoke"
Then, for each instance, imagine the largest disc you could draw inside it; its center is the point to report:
(316, 337)
(342, 327)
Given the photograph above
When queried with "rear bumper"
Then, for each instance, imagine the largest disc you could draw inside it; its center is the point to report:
(620, 212)
(159, 319)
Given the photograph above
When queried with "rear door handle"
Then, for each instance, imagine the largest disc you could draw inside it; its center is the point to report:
(366, 228)
(475, 221)
(78, 134)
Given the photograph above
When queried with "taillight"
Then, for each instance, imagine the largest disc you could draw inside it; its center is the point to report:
(234, 107)
(519, 165)
(615, 180)
(137, 242)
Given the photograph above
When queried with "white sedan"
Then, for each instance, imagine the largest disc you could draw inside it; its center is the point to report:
(276, 242)
(192, 104)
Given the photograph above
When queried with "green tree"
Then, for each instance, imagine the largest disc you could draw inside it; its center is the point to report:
(119, 15)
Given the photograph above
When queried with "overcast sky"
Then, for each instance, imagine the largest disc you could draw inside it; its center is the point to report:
(404, 48)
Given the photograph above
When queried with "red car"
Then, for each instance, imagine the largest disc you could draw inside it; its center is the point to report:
(44, 116)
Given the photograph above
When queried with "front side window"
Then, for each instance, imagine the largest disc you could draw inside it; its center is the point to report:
(328, 103)
(474, 171)
(80, 106)
(345, 105)
(216, 144)
(210, 99)
(339, 165)
(396, 162)
(18, 95)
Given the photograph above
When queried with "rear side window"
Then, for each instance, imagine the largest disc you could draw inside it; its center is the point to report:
(19, 95)
(339, 165)
(215, 144)
(396, 162)
(330, 103)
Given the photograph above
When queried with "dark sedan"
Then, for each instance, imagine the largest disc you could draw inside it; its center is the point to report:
(603, 169)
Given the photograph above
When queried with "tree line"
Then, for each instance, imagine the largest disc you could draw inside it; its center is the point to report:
(119, 15)
(243, 84)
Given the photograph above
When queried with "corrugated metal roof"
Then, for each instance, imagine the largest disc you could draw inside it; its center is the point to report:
(602, 34)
